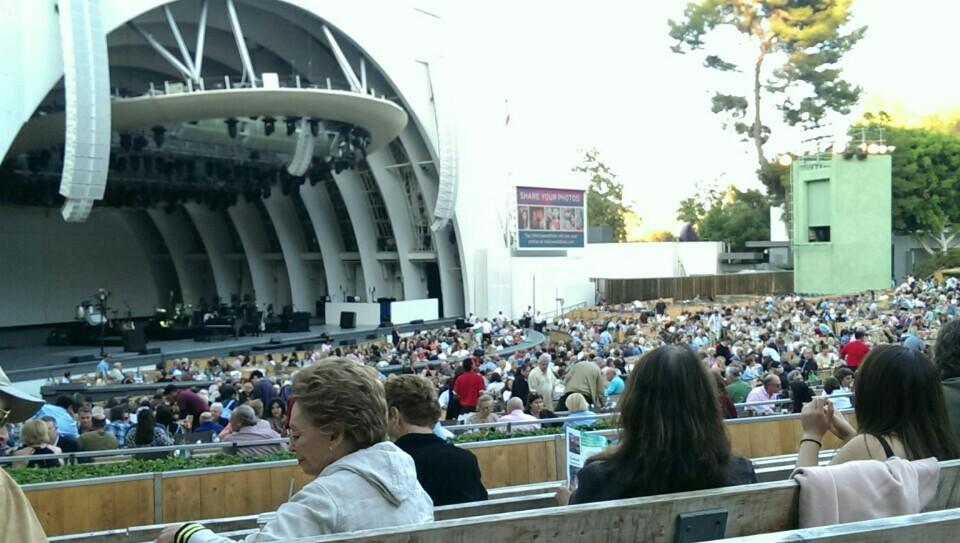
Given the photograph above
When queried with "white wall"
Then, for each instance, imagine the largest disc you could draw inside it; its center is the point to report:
(368, 314)
(654, 259)
(411, 310)
(778, 228)
(47, 266)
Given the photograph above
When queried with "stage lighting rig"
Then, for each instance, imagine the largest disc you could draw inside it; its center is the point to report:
(158, 135)
(291, 125)
(231, 127)
(269, 125)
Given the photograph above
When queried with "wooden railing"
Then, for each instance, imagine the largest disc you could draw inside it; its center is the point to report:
(618, 291)
(115, 502)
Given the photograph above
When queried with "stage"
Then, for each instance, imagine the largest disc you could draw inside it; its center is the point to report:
(29, 360)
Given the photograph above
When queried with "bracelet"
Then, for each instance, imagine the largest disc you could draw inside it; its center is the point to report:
(810, 439)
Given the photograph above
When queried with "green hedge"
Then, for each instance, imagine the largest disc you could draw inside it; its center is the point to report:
(491, 435)
(25, 476)
(72, 472)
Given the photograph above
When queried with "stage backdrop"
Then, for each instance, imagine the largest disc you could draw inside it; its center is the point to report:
(550, 218)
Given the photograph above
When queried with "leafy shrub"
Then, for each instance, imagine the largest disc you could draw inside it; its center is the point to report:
(72, 472)
(938, 261)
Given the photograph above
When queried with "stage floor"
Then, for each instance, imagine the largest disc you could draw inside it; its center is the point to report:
(29, 362)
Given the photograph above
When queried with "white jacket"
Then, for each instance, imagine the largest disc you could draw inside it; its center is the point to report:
(374, 487)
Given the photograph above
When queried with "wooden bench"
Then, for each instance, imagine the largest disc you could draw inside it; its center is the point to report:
(764, 508)
(932, 527)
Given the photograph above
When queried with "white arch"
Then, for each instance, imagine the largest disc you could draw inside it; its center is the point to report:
(216, 240)
(414, 288)
(317, 202)
(284, 218)
(174, 228)
(250, 230)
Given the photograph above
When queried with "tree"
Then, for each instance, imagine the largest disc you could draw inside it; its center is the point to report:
(659, 235)
(605, 205)
(926, 185)
(807, 34)
(736, 218)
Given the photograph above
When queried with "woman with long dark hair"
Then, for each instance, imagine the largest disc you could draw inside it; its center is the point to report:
(672, 436)
(801, 395)
(147, 433)
(900, 412)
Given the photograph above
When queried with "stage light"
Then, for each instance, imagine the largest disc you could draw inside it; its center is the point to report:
(158, 135)
(882, 149)
(268, 125)
(873, 148)
(891, 148)
(314, 127)
(785, 160)
(139, 143)
(231, 127)
(291, 124)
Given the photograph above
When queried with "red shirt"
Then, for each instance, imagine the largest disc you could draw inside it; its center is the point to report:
(468, 388)
(853, 352)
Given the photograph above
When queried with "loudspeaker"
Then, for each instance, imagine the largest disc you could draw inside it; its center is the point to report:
(348, 319)
(322, 311)
(134, 341)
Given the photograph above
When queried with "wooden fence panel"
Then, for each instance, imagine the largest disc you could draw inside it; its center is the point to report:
(617, 291)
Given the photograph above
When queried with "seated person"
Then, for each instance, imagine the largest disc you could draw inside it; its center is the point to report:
(832, 390)
(244, 427)
(147, 433)
(19, 521)
(672, 437)
(207, 424)
(98, 439)
(578, 407)
(35, 438)
(337, 427)
(768, 391)
(484, 413)
(448, 473)
(538, 410)
(516, 415)
(900, 412)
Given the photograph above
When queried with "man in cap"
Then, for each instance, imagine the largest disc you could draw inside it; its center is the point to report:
(20, 522)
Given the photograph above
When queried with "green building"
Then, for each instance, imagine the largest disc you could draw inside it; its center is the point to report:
(842, 231)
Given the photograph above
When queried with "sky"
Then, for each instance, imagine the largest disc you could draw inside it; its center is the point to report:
(578, 75)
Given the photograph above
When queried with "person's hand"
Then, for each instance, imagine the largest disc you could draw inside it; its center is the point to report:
(563, 495)
(815, 418)
(168, 533)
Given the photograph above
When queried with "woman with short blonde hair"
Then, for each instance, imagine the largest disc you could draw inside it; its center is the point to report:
(338, 427)
(35, 436)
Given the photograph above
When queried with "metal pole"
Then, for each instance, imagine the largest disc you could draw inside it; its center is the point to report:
(241, 44)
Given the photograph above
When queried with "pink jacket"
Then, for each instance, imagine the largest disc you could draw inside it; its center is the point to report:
(865, 490)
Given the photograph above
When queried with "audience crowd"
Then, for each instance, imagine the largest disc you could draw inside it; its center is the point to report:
(671, 373)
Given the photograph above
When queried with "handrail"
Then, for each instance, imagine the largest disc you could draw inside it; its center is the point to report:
(234, 445)
(237, 445)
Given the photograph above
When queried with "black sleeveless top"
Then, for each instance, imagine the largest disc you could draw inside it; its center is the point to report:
(48, 463)
(887, 450)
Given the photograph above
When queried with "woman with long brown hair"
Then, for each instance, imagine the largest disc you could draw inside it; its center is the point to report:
(900, 412)
(672, 437)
